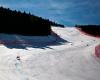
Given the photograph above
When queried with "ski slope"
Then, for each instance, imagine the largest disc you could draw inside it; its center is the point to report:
(66, 55)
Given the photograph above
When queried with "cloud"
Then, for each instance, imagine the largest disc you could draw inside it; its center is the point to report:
(63, 11)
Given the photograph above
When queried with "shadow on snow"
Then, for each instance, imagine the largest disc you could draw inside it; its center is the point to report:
(23, 42)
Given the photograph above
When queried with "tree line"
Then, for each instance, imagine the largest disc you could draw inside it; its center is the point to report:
(24, 23)
(91, 29)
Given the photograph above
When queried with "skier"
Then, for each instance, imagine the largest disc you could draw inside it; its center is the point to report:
(18, 58)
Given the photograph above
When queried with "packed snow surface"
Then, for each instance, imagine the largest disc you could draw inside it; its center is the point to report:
(66, 55)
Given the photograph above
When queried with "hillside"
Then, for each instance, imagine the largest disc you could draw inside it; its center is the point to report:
(16, 22)
(65, 55)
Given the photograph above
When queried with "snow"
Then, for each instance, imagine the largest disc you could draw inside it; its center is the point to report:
(69, 55)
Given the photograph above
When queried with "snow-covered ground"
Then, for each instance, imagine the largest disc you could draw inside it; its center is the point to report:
(68, 57)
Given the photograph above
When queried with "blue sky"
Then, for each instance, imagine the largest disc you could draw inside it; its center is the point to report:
(67, 12)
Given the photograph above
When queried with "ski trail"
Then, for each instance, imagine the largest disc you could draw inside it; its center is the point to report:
(20, 71)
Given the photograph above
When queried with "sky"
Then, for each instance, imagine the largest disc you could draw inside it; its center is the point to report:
(67, 12)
